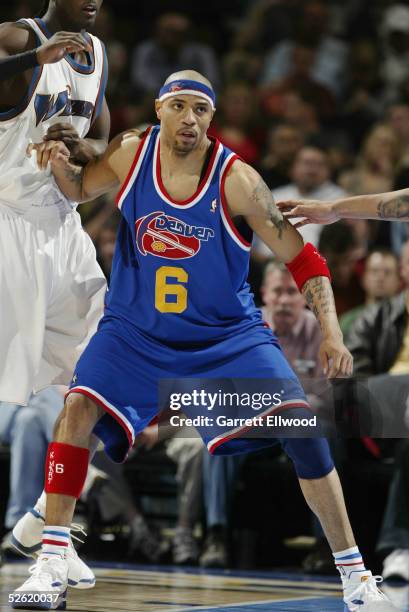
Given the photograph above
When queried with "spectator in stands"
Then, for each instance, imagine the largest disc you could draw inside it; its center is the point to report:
(397, 118)
(283, 143)
(340, 246)
(379, 343)
(117, 52)
(298, 331)
(27, 429)
(394, 31)
(380, 280)
(362, 100)
(393, 541)
(331, 52)
(168, 51)
(377, 164)
(310, 180)
(299, 78)
(236, 125)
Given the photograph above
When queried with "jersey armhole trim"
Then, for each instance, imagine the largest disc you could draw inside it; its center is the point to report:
(227, 220)
(134, 170)
(102, 85)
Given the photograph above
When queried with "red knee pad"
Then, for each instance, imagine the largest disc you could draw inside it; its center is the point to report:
(66, 468)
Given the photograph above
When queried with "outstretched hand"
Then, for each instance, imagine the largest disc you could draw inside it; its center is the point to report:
(308, 211)
(51, 151)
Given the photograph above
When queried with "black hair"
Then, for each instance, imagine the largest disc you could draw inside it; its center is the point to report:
(337, 238)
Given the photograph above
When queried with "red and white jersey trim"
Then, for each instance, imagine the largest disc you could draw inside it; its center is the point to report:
(236, 431)
(203, 187)
(134, 170)
(110, 408)
(227, 220)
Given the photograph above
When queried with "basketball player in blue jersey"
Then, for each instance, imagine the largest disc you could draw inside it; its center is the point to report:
(179, 306)
(52, 85)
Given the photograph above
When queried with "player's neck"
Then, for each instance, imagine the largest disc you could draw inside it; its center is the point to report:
(54, 24)
(173, 161)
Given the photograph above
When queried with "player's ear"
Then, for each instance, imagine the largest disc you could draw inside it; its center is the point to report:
(158, 106)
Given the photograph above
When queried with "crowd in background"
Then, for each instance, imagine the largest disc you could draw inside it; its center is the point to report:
(315, 95)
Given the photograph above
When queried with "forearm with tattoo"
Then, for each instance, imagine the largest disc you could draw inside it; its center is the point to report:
(70, 180)
(320, 298)
(262, 196)
(396, 208)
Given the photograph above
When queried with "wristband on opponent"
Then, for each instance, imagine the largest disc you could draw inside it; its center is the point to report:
(16, 64)
(307, 264)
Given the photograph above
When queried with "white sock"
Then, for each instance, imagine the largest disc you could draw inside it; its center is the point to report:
(349, 561)
(56, 540)
(41, 504)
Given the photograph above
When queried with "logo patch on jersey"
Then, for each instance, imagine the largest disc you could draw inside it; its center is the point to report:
(47, 106)
(165, 236)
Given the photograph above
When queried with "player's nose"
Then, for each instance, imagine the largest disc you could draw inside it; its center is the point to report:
(189, 117)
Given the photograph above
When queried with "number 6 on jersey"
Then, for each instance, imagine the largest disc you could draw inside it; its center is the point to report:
(163, 289)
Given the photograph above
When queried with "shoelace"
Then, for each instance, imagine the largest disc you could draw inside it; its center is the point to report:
(79, 529)
(369, 587)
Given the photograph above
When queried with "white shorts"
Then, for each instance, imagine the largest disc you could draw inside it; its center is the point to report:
(51, 299)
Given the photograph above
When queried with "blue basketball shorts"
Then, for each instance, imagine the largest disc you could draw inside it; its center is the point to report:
(120, 370)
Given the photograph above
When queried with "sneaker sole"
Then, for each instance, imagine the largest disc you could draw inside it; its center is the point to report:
(60, 604)
(82, 584)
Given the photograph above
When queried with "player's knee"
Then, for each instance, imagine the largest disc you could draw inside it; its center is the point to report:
(311, 456)
(77, 419)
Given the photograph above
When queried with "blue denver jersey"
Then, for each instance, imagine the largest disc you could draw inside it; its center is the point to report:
(180, 269)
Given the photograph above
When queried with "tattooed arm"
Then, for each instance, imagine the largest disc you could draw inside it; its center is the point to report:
(248, 196)
(392, 206)
(335, 358)
(106, 172)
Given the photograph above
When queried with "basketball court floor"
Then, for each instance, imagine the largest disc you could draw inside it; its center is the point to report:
(128, 588)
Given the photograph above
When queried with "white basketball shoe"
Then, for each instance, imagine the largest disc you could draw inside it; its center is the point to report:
(46, 588)
(27, 537)
(361, 594)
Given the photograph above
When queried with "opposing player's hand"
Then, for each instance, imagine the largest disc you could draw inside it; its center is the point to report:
(51, 151)
(65, 132)
(59, 45)
(309, 211)
(336, 360)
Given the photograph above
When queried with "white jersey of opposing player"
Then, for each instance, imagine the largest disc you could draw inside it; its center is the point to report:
(62, 92)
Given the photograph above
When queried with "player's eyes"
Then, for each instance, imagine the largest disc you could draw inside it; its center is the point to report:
(201, 109)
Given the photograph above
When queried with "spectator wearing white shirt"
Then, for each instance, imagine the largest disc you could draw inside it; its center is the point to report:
(310, 180)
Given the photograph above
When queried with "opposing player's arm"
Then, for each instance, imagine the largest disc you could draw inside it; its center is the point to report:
(393, 206)
(248, 195)
(19, 51)
(83, 150)
(84, 183)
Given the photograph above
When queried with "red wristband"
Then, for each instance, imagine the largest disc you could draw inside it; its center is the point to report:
(307, 264)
